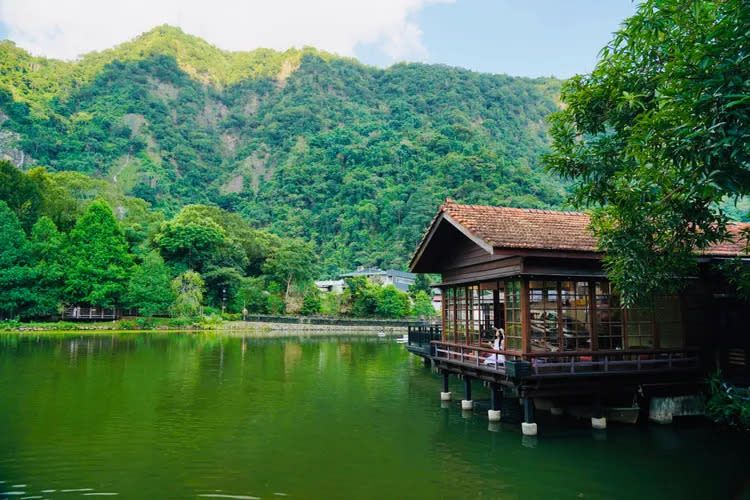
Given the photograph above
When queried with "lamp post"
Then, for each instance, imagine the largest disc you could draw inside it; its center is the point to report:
(223, 299)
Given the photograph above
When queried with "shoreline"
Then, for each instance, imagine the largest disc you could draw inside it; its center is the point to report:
(270, 329)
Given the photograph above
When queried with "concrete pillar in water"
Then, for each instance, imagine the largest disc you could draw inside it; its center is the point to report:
(493, 414)
(598, 421)
(467, 403)
(663, 409)
(528, 426)
(446, 394)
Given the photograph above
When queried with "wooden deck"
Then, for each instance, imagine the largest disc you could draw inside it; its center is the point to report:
(565, 364)
(421, 337)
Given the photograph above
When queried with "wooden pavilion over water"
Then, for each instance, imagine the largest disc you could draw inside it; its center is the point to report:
(537, 275)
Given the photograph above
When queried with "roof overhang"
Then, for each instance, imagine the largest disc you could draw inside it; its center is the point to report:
(437, 223)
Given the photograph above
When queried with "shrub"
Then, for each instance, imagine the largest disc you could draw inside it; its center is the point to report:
(726, 405)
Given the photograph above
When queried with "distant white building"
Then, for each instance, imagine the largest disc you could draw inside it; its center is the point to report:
(400, 279)
(335, 286)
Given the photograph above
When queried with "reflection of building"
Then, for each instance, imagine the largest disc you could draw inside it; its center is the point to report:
(538, 275)
(399, 279)
(335, 286)
(437, 301)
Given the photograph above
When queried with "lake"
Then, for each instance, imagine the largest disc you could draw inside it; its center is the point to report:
(162, 416)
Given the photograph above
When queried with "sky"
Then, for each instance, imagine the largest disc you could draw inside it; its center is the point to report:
(516, 37)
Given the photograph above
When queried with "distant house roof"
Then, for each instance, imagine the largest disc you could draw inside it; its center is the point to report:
(374, 271)
(530, 229)
(330, 283)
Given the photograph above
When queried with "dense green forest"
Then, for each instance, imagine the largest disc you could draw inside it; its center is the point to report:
(351, 158)
(68, 239)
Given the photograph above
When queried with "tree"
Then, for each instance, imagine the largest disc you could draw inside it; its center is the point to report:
(20, 193)
(657, 135)
(222, 284)
(252, 296)
(97, 259)
(189, 240)
(311, 303)
(423, 304)
(15, 274)
(364, 296)
(292, 262)
(421, 283)
(148, 289)
(47, 245)
(187, 289)
(393, 303)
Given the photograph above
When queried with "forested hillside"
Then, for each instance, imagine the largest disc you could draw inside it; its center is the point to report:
(302, 143)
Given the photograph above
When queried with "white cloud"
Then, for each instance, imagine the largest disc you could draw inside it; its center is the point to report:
(68, 28)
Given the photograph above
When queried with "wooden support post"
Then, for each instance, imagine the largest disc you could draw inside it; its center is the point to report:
(528, 410)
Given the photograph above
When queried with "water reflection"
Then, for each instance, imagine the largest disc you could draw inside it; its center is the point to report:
(181, 415)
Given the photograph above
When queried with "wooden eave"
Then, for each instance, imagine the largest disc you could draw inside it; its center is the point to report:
(432, 230)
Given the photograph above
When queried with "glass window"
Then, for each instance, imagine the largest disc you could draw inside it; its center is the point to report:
(487, 315)
(450, 314)
(513, 340)
(640, 328)
(543, 316)
(460, 315)
(669, 321)
(608, 317)
(576, 315)
(474, 323)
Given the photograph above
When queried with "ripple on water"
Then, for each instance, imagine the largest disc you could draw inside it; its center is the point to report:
(76, 490)
(219, 495)
(100, 494)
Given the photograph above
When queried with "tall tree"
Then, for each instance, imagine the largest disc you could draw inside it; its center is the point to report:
(190, 240)
(21, 194)
(293, 262)
(148, 289)
(657, 135)
(187, 289)
(97, 258)
(421, 284)
(15, 274)
(393, 303)
(47, 246)
(423, 304)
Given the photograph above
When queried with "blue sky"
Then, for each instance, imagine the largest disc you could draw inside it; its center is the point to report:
(517, 37)
(521, 38)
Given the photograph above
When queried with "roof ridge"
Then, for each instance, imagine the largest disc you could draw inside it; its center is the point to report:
(449, 203)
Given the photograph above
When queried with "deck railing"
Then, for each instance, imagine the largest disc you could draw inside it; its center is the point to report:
(570, 363)
(90, 313)
(421, 334)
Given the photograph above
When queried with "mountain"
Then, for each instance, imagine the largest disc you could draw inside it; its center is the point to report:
(301, 142)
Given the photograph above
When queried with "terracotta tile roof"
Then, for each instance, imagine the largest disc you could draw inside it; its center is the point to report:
(731, 248)
(525, 228)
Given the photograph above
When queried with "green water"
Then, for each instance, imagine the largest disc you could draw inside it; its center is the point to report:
(202, 416)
